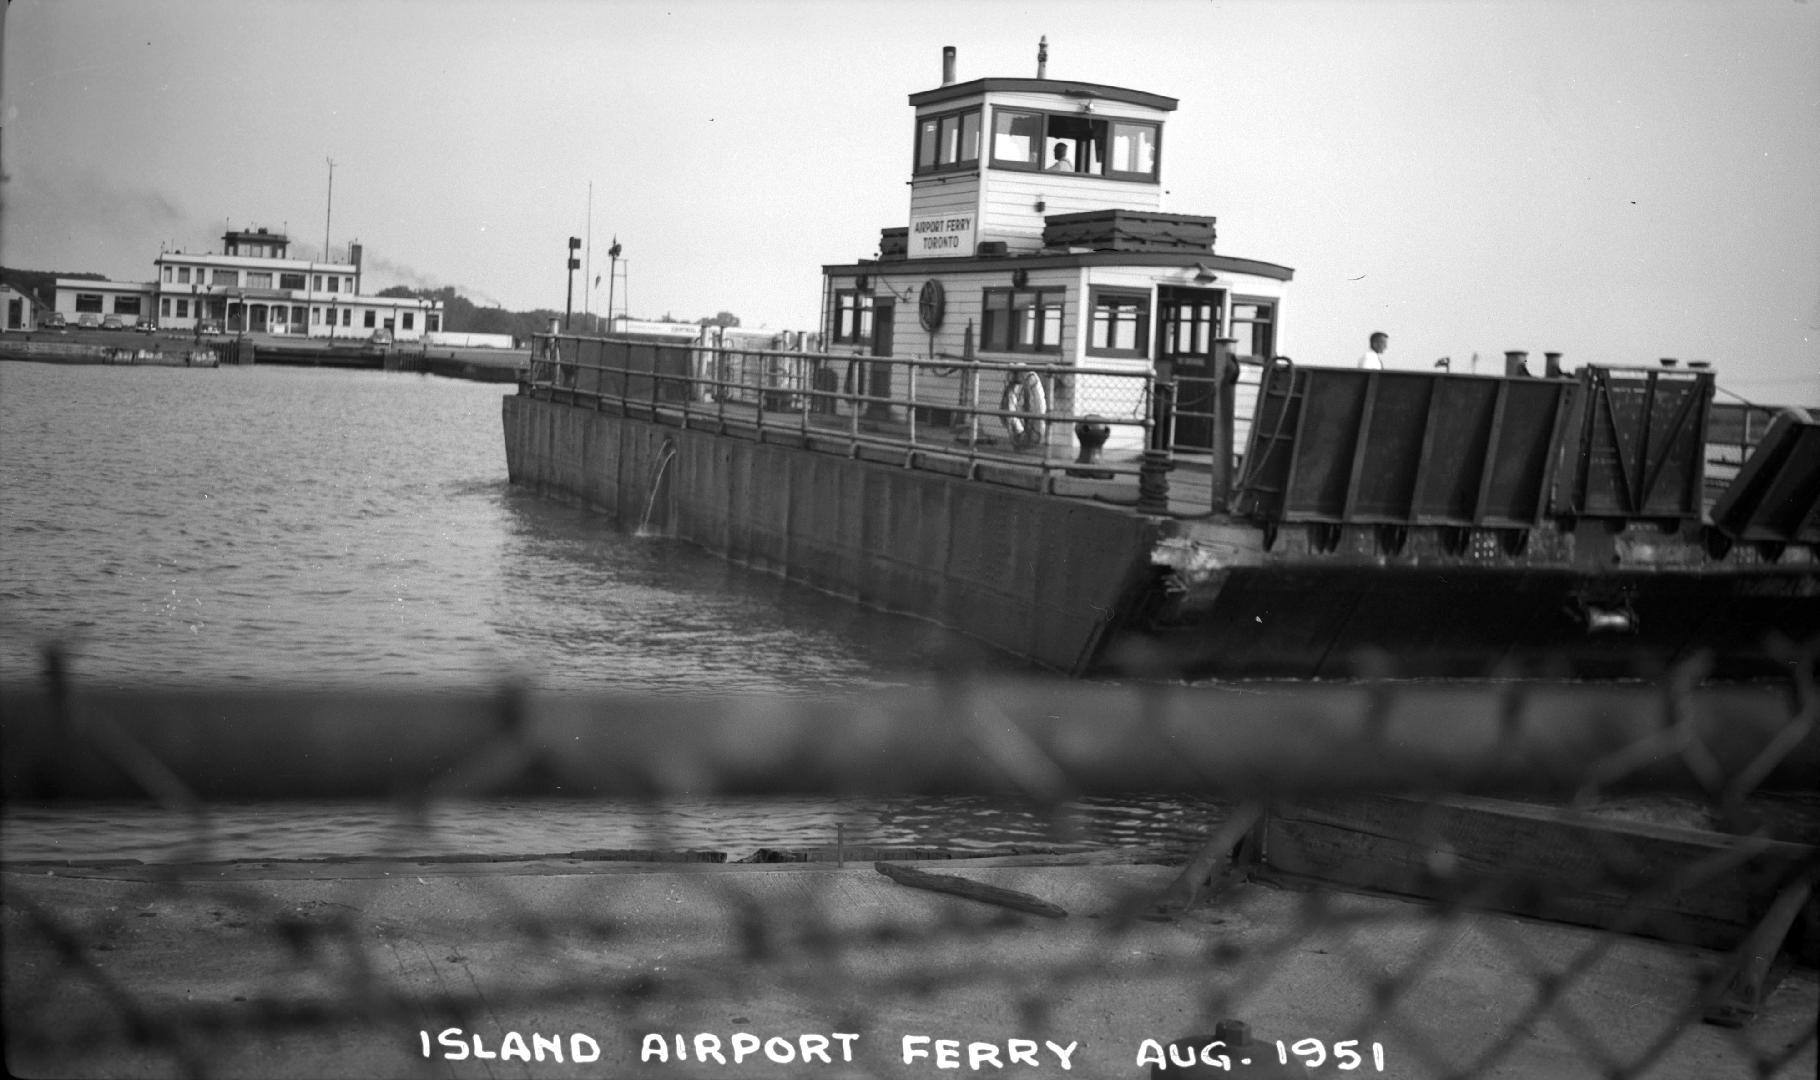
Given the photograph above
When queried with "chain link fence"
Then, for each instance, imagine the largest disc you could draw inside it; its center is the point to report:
(1398, 879)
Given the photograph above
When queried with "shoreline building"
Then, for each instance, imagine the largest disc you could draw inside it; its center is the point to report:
(253, 286)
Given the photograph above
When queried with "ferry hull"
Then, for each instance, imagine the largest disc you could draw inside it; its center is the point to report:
(1092, 588)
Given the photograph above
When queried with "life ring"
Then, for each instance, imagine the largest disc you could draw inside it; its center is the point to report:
(1025, 405)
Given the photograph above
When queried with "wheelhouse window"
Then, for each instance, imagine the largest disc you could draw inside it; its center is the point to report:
(1254, 325)
(852, 317)
(1022, 320)
(947, 142)
(1119, 324)
(1084, 145)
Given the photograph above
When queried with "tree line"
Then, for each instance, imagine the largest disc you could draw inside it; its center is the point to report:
(462, 316)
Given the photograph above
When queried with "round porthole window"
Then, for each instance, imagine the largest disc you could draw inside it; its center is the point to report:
(929, 305)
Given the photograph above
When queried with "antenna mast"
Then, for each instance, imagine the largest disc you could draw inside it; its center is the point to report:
(329, 214)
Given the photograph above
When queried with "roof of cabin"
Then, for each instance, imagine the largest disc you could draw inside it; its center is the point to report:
(970, 263)
(1063, 87)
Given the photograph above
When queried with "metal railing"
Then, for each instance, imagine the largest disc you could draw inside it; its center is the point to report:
(1360, 902)
(1024, 418)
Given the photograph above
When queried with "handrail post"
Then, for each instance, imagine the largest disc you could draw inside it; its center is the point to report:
(1154, 466)
(1225, 382)
(910, 408)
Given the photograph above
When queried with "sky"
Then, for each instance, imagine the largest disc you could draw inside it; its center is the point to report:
(1618, 181)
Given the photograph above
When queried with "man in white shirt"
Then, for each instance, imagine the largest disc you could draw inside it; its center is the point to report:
(1373, 360)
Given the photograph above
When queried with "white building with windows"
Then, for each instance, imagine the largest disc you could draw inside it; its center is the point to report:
(251, 286)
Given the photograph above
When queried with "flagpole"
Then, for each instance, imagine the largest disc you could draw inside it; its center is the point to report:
(587, 264)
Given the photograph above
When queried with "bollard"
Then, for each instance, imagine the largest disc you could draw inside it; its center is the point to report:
(1092, 432)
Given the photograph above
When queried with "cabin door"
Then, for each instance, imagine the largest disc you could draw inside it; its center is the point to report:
(878, 376)
(1188, 327)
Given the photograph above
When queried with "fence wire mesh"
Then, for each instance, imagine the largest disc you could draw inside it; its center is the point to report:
(1396, 879)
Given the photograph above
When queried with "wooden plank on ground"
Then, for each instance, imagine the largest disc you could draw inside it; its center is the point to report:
(1682, 885)
(972, 890)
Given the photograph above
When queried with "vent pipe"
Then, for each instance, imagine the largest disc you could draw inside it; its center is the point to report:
(947, 65)
(1042, 57)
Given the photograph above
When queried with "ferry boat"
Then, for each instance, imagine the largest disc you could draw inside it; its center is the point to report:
(1052, 414)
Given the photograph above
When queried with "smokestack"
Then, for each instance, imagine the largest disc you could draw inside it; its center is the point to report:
(947, 65)
(1042, 57)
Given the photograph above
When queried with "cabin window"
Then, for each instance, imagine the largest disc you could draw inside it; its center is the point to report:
(183, 275)
(432, 323)
(1119, 324)
(164, 307)
(167, 275)
(1017, 139)
(1133, 151)
(347, 316)
(1022, 320)
(291, 281)
(948, 142)
(126, 305)
(88, 302)
(1068, 142)
(183, 309)
(407, 317)
(852, 317)
(1254, 325)
(369, 321)
(334, 283)
(226, 277)
(258, 279)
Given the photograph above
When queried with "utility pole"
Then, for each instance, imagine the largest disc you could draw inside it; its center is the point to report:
(568, 307)
(612, 273)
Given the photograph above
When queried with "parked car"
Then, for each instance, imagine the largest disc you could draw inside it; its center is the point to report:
(210, 329)
(88, 321)
(54, 321)
(113, 322)
(146, 326)
(382, 336)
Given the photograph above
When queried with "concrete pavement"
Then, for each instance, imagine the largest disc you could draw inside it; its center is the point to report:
(411, 969)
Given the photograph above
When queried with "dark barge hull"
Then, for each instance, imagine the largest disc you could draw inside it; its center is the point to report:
(1292, 620)
(1087, 587)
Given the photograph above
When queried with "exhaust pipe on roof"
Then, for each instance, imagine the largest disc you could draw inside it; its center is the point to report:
(947, 65)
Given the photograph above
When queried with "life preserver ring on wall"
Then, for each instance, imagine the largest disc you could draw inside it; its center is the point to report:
(1025, 404)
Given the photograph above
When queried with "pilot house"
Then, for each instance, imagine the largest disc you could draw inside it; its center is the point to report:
(1037, 236)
